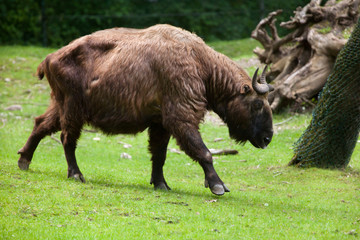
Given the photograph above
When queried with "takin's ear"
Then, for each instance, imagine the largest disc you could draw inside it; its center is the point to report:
(245, 89)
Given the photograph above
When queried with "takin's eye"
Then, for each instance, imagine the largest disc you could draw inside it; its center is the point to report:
(246, 88)
(257, 104)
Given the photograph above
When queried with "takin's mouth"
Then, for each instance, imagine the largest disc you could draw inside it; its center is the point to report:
(261, 142)
(257, 141)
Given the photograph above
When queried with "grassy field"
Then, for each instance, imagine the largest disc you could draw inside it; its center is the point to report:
(268, 200)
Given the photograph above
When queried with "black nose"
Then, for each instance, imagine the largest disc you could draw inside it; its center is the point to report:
(267, 140)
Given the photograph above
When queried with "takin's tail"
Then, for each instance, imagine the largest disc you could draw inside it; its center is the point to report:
(40, 70)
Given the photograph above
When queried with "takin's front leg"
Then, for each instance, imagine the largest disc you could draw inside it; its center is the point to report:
(189, 139)
(45, 124)
(158, 142)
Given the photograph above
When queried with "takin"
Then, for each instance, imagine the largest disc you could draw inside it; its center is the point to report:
(161, 78)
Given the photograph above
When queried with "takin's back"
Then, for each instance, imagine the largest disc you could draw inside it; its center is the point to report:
(123, 75)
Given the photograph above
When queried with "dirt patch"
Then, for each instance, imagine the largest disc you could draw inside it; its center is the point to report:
(249, 62)
(212, 118)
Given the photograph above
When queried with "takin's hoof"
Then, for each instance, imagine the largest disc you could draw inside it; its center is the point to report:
(217, 189)
(162, 186)
(23, 164)
(78, 177)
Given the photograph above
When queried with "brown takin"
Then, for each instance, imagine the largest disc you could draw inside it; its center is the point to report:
(162, 78)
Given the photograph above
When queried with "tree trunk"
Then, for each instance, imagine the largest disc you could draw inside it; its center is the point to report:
(333, 132)
(302, 60)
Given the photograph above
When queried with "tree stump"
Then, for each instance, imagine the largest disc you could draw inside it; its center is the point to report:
(302, 60)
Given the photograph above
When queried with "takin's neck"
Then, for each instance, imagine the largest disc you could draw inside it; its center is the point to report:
(223, 84)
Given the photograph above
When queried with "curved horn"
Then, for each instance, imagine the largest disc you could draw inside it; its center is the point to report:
(263, 76)
(263, 79)
(262, 87)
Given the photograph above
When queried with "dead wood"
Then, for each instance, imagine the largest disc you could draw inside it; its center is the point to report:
(55, 139)
(302, 60)
(223, 151)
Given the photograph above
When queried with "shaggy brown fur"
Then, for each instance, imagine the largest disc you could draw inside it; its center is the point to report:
(162, 78)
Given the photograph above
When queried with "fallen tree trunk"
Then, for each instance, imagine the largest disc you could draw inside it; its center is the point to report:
(302, 60)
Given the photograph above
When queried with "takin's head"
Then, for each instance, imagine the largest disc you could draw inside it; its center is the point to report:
(249, 116)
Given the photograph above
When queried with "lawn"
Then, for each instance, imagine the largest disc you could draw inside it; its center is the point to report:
(268, 199)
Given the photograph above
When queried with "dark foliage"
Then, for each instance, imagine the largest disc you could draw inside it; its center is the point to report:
(56, 22)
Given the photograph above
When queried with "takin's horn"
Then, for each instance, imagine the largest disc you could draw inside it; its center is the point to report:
(262, 87)
(263, 79)
(263, 76)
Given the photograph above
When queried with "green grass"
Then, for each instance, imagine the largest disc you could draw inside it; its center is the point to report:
(236, 49)
(268, 200)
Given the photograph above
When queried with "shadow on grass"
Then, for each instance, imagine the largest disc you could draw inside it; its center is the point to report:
(122, 183)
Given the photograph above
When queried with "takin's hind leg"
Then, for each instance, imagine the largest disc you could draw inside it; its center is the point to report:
(158, 142)
(45, 124)
(69, 141)
(71, 125)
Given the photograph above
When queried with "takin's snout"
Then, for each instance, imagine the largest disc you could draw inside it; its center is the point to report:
(262, 140)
